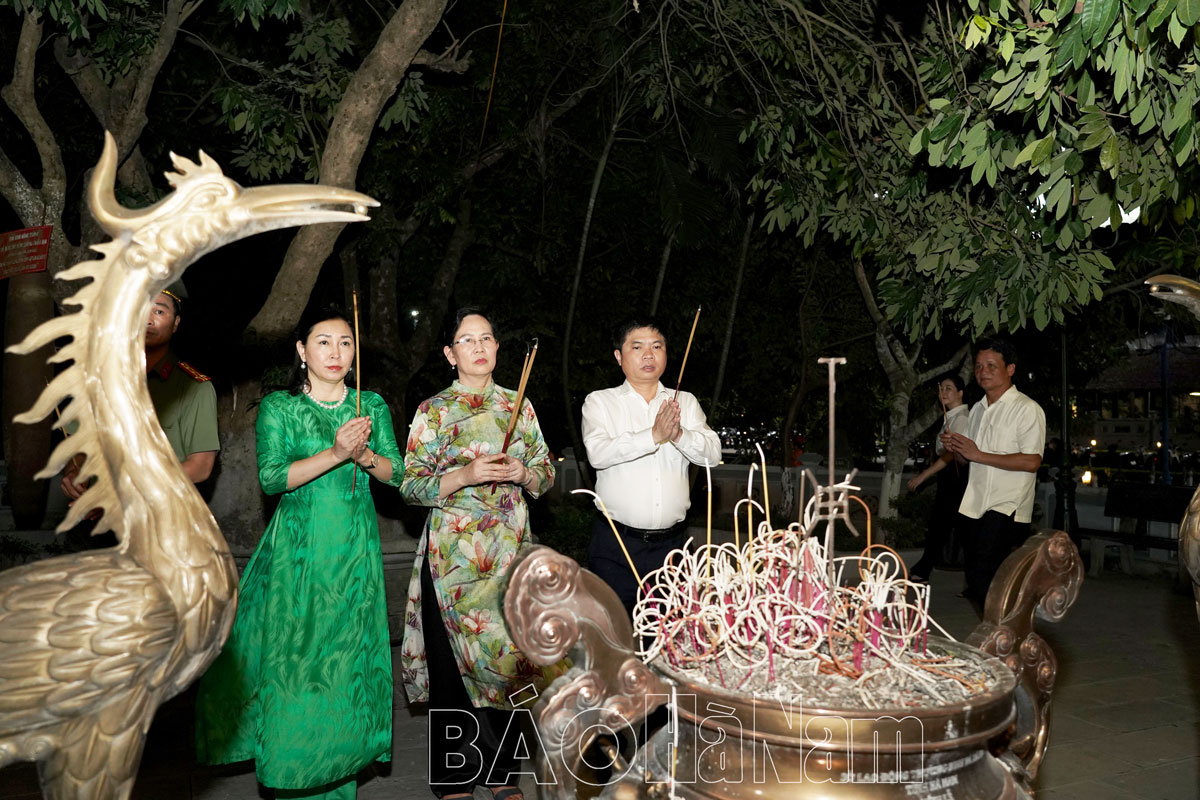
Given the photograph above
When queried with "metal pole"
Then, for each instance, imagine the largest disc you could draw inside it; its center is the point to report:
(1164, 452)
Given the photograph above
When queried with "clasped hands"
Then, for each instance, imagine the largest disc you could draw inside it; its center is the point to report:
(351, 441)
(489, 468)
(667, 427)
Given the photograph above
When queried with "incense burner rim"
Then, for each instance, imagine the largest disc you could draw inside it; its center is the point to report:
(958, 724)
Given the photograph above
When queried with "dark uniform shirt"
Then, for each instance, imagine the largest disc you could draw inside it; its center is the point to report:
(186, 404)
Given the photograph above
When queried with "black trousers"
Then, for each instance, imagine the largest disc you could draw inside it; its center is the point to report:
(951, 483)
(988, 542)
(462, 753)
(608, 562)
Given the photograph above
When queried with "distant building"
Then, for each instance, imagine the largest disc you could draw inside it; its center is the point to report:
(1122, 407)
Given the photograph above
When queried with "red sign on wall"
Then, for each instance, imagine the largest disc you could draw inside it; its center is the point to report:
(24, 251)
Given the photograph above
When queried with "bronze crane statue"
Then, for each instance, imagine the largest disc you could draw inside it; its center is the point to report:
(1186, 292)
(91, 643)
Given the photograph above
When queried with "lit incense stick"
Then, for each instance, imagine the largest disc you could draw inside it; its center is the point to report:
(357, 386)
(685, 353)
(766, 491)
(708, 525)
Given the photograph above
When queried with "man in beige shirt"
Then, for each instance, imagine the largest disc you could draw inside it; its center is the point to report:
(1006, 434)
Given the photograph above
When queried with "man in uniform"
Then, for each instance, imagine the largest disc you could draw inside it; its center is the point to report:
(183, 397)
(640, 439)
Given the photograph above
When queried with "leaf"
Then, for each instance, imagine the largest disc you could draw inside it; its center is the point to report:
(1025, 153)
(1110, 154)
(1176, 31)
(948, 128)
(938, 103)
(917, 142)
(1188, 12)
(1160, 13)
(1007, 45)
(1042, 151)
(1183, 143)
(1098, 18)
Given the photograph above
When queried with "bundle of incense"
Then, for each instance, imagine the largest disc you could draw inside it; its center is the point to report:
(357, 386)
(526, 368)
(685, 353)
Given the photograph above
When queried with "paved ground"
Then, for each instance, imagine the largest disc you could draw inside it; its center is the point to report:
(1125, 722)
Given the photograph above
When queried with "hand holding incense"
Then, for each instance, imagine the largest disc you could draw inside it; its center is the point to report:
(526, 368)
(357, 387)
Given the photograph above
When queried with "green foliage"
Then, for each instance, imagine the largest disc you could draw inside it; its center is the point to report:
(74, 16)
(258, 10)
(971, 152)
(412, 101)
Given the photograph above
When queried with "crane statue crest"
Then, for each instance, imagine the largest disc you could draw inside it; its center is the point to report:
(93, 642)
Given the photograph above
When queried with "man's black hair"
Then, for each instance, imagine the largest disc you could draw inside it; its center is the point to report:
(622, 331)
(1001, 345)
(953, 377)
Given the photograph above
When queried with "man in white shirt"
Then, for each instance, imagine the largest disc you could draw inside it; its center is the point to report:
(1006, 434)
(640, 439)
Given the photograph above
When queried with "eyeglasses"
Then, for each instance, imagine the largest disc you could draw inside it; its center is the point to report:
(487, 340)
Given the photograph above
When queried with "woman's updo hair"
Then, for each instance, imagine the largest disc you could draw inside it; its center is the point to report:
(455, 322)
(298, 378)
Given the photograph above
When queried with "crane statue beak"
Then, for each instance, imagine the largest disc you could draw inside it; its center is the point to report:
(1176, 289)
(303, 204)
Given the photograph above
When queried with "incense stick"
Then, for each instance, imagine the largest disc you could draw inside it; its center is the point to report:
(357, 387)
(530, 355)
(685, 353)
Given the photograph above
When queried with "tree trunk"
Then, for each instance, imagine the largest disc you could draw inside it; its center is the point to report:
(353, 122)
(737, 290)
(568, 401)
(236, 500)
(897, 451)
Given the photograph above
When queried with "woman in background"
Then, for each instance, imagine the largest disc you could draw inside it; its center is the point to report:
(951, 478)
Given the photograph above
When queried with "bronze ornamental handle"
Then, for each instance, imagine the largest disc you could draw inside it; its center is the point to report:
(555, 609)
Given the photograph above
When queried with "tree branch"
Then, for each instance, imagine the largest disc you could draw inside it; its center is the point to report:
(132, 118)
(353, 121)
(19, 97)
(959, 355)
(84, 73)
(447, 61)
(23, 198)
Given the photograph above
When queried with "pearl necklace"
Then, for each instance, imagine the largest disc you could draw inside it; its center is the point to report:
(328, 404)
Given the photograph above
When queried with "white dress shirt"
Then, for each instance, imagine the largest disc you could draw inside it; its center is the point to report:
(643, 484)
(954, 422)
(1013, 424)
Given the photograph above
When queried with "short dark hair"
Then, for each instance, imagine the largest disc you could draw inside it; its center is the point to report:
(298, 377)
(953, 377)
(622, 331)
(1001, 345)
(455, 322)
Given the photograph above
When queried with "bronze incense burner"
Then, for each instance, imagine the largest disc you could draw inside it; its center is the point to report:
(730, 745)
